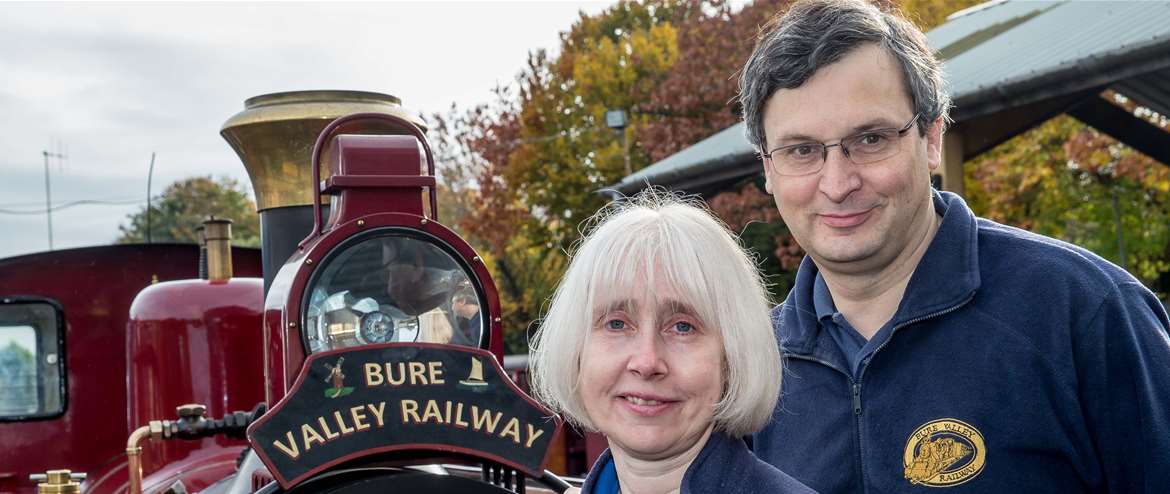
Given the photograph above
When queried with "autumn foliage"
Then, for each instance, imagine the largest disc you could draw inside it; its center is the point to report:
(1067, 180)
(519, 174)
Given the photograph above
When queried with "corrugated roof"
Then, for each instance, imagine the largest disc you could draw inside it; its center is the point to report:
(998, 55)
(726, 148)
(1052, 37)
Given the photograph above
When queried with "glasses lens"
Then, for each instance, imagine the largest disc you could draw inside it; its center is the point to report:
(799, 159)
(872, 146)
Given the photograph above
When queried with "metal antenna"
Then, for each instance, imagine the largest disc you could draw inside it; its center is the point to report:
(149, 175)
(48, 194)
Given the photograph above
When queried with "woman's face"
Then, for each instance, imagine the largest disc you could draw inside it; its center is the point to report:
(651, 373)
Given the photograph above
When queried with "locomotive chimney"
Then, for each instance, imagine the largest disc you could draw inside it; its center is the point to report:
(274, 137)
(217, 234)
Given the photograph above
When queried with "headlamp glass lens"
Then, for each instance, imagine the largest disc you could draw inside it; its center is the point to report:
(392, 288)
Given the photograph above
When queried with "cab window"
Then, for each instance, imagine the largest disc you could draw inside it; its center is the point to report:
(31, 364)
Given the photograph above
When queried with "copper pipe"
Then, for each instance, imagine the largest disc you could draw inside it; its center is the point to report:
(133, 457)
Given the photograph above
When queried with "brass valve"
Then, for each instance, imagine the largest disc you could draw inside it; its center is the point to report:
(58, 482)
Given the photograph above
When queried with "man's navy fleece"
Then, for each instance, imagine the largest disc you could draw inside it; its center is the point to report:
(1016, 363)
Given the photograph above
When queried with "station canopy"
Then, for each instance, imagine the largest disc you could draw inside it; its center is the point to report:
(1010, 65)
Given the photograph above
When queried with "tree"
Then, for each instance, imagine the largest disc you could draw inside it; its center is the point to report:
(18, 385)
(182, 207)
(523, 171)
(1067, 180)
(528, 164)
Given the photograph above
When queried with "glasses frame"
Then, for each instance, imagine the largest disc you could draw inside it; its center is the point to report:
(841, 144)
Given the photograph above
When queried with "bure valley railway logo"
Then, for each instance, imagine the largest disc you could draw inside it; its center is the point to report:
(337, 378)
(944, 453)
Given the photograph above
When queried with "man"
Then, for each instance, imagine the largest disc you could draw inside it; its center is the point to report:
(927, 348)
(468, 320)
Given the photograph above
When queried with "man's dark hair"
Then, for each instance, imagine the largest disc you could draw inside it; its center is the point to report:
(814, 34)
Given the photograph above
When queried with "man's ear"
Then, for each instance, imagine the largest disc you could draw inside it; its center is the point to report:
(934, 143)
(767, 173)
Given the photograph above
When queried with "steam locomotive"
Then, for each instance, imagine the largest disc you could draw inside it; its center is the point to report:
(367, 356)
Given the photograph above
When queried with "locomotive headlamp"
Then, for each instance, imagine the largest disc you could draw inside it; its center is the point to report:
(391, 286)
(379, 267)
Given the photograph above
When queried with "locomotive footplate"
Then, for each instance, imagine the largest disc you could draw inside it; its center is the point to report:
(356, 402)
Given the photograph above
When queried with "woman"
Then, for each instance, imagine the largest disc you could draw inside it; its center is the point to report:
(659, 338)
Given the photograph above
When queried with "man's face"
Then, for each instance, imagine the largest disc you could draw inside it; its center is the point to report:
(848, 217)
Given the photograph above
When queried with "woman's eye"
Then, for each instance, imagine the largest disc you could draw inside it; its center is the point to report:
(683, 327)
(615, 324)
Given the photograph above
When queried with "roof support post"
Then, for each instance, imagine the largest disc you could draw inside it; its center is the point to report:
(951, 170)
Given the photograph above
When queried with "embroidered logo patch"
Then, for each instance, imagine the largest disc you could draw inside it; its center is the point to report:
(944, 453)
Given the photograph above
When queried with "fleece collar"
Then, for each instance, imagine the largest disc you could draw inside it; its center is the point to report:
(947, 276)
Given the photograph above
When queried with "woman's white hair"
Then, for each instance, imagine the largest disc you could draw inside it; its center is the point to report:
(658, 234)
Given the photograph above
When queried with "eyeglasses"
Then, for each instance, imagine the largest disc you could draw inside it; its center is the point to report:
(867, 147)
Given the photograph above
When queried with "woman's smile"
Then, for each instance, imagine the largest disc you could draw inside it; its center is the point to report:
(652, 371)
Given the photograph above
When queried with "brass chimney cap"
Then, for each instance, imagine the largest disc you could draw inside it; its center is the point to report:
(326, 104)
(275, 133)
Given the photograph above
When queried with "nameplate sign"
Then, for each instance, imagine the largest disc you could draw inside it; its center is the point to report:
(357, 402)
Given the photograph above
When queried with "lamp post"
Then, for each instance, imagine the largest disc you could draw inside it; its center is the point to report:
(616, 120)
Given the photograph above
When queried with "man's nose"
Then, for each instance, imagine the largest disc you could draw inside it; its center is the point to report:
(646, 356)
(839, 177)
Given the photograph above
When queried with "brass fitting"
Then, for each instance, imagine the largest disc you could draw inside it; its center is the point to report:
(218, 235)
(134, 454)
(58, 482)
(192, 424)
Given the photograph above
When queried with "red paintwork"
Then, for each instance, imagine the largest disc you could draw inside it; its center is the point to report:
(359, 162)
(197, 470)
(388, 193)
(194, 341)
(95, 287)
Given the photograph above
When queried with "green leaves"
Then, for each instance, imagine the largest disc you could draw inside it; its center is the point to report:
(521, 173)
(182, 207)
(1067, 180)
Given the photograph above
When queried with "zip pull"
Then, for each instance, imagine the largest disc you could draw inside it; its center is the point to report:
(857, 399)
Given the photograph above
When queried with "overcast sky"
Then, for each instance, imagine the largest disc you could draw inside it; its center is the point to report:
(110, 83)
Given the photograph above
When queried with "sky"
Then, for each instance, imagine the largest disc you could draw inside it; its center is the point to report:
(107, 84)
